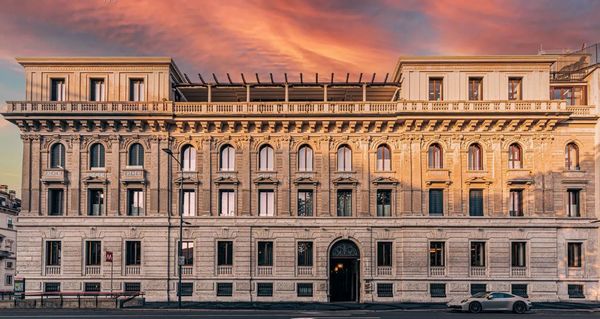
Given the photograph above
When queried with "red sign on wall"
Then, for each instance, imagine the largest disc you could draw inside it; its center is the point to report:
(109, 256)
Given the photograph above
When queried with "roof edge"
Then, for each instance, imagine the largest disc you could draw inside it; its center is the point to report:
(94, 60)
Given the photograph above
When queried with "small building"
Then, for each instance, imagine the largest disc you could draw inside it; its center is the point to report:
(10, 206)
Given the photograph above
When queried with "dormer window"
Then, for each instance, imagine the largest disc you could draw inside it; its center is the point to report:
(58, 90)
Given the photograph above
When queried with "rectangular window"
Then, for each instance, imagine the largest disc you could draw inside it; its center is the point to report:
(187, 289)
(574, 95)
(187, 251)
(9, 223)
(305, 203)
(53, 253)
(385, 289)
(516, 202)
(475, 89)
(224, 289)
(95, 202)
(384, 202)
(265, 253)
(97, 90)
(55, 202)
(133, 287)
(264, 289)
(304, 289)
(575, 291)
(91, 287)
(8, 280)
(515, 89)
(305, 254)
(437, 290)
(519, 254)
(136, 90)
(226, 202)
(344, 202)
(384, 254)
(266, 203)
(573, 207)
(477, 254)
(575, 254)
(189, 202)
(58, 90)
(436, 90)
(93, 253)
(436, 254)
(519, 290)
(133, 253)
(225, 253)
(477, 288)
(436, 202)
(52, 287)
(9, 264)
(476, 202)
(135, 202)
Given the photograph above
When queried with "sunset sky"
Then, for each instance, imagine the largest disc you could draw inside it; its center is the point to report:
(276, 36)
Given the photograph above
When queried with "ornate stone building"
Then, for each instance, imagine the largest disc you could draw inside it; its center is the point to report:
(9, 209)
(451, 176)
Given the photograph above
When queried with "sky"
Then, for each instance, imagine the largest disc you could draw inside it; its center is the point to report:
(276, 36)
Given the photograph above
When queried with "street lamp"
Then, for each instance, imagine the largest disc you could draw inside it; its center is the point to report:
(180, 259)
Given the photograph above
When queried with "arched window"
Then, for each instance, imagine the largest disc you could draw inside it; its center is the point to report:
(188, 158)
(344, 159)
(97, 156)
(57, 156)
(384, 158)
(305, 159)
(515, 156)
(434, 156)
(572, 157)
(227, 158)
(475, 157)
(265, 158)
(136, 155)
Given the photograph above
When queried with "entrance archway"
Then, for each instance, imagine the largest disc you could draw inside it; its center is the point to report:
(344, 272)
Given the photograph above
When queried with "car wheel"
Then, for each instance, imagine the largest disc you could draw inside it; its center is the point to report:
(519, 307)
(475, 307)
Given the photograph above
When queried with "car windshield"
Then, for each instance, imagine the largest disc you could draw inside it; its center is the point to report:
(479, 295)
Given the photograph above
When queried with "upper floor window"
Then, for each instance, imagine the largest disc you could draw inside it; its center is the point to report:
(573, 204)
(305, 254)
(136, 155)
(187, 251)
(265, 158)
(136, 90)
(574, 254)
(435, 156)
(135, 202)
(344, 159)
(476, 202)
(436, 202)
(93, 253)
(266, 203)
(95, 202)
(572, 157)
(475, 89)
(437, 254)
(57, 156)
(97, 92)
(475, 157)
(188, 158)
(305, 202)
(189, 202)
(224, 253)
(516, 202)
(477, 254)
(515, 89)
(436, 89)
(515, 156)
(384, 202)
(344, 202)
(58, 90)
(227, 159)
(97, 156)
(55, 202)
(305, 159)
(384, 158)
(265, 253)
(226, 202)
(574, 95)
(518, 254)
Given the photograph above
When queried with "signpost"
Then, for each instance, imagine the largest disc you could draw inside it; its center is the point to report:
(109, 259)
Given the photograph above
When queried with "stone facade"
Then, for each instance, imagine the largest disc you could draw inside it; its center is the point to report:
(9, 209)
(407, 123)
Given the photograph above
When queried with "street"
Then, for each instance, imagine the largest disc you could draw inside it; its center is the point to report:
(281, 314)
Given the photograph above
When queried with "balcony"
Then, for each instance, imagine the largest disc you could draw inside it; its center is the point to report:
(437, 271)
(384, 271)
(132, 270)
(437, 175)
(224, 270)
(304, 271)
(89, 107)
(134, 175)
(52, 270)
(478, 271)
(92, 270)
(187, 270)
(518, 272)
(54, 176)
(4, 253)
(264, 270)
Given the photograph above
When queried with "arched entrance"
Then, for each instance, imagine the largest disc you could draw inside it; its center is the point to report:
(344, 271)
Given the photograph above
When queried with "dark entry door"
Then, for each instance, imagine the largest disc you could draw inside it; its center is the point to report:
(344, 272)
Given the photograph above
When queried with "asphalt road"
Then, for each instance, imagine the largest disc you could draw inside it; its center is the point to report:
(275, 314)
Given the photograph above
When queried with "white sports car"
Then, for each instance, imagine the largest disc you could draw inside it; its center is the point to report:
(491, 301)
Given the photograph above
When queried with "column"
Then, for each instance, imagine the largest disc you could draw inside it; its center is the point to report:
(35, 175)
(115, 173)
(75, 175)
(26, 183)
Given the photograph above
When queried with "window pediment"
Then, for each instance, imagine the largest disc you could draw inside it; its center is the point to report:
(385, 180)
(226, 180)
(478, 180)
(266, 180)
(305, 181)
(345, 180)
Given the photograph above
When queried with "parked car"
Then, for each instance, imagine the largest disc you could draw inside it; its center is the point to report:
(491, 301)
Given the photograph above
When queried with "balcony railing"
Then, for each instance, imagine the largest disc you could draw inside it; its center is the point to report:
(52, 270)
(89, 107)
(92, 270)
(132, 270)
(437, 271)
(518, 272)
(477, 271)
(264, 270)
(304, 270)
(187, 270)
(224, 270)
(384, 271)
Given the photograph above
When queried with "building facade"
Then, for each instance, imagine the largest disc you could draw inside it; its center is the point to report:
(9, 209)
(453, 175)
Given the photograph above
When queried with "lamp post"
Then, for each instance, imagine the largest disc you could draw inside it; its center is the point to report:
(180, 259)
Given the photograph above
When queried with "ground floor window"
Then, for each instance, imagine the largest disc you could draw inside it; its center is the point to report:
(133, 287)
(385, 289)
(92, 287)
(187, 289)
(576, 291)
(305, 289)
(224, 289)
(519, 290)
(437, 290)
(264, 289)
(477, 288)
(52, 287)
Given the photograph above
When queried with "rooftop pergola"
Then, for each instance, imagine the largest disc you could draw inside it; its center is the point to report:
(315, 89)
